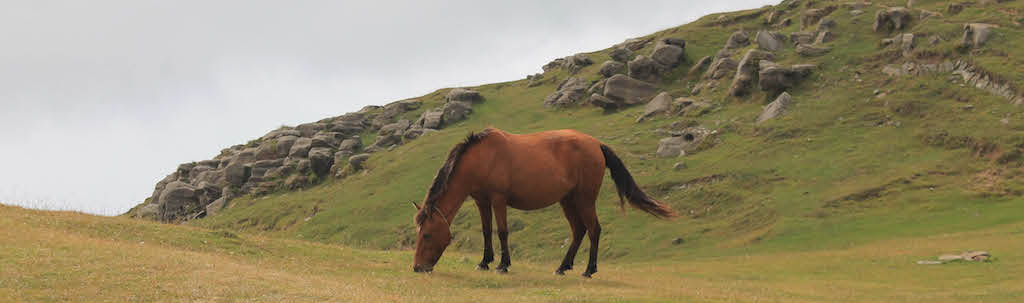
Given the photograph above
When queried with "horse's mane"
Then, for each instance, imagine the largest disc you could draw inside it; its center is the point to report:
(440, 184)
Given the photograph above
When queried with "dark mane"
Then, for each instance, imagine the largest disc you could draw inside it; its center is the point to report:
(440, 184)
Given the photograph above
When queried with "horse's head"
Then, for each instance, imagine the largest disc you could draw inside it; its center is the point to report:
(433, 236)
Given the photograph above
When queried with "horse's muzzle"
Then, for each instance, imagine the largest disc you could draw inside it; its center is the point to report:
(422, 268)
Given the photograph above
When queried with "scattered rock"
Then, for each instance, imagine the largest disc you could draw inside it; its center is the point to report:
(975, 34)
(954, 8)
(778, 78)
(677, 241)
(634, 44)
(968, 256)
(721, 68)
(776, 108)
(678, 166)
(357, 161)
(891, 19)
(701, 64)
(738, 39)
(431, 119)
(237, 174)
(802, 37)
(826, 24)
(214, 207)
(811, 17)
(455, 111)
(667, 55)
(463, 95)
(570, 91)
(769, 41)
(682, 142)
(746, 71)
(824, 37)
(811, 51)
(659, 105)
(603, 102)
(577, 62)
(625, 90)
(610, 68)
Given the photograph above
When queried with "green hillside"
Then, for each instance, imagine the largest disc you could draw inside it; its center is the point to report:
(861, 159)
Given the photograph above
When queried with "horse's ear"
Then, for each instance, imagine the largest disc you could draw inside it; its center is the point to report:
(416, 205)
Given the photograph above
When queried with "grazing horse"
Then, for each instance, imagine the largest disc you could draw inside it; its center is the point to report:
(531, 171)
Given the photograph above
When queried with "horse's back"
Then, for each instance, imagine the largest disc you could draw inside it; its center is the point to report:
(546, 166)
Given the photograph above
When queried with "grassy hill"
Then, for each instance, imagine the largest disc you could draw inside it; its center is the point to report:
(63, 256)
(842, 167)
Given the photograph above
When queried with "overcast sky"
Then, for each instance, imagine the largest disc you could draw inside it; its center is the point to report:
(101, 99)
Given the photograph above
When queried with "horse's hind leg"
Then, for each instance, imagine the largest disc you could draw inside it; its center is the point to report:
(485, 223)
(578, 230)
(589, 216)
(500, 216)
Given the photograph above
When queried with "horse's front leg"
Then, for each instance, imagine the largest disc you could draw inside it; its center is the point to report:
(485, 223)
(500, 216)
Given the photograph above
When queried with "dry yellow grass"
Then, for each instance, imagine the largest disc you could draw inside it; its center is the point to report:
(62, 256)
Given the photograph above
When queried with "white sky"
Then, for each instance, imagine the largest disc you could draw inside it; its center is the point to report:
(101, 99)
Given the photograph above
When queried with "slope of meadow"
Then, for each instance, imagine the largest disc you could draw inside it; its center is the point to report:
(62, 256)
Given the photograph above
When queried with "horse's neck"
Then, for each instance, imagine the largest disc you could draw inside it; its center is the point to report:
(455, 195)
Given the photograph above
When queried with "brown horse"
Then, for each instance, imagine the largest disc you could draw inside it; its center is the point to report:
(532, 171)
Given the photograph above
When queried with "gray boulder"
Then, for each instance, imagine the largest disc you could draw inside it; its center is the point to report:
(610, 68)
(776, 108)
(811, 17)
(891, 19)
(237, 174)
(176, 198)
(625, 90)
(659, 105)
(570, 91)
(357, 161)
(746, 71)
(300, 148)
(577, 62)
(802, 37)
(667, 55)
(397, 128)
(701, 64)
(283, 145)
(778, 78)
(320, 160)
(431, 119)
(634, 44)
(824, 37)
(603, 102)
(643, 68)
(721, 68)
(455, 111)
(351, 144)
(671, 147)
(812, 51)
(310, 129)
(216, 206)
(463, 95)
(621, 55)
(975, 34)
(326, 139)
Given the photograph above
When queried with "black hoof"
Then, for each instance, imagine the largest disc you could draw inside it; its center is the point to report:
(560, 272)
(588, 274)
(501, 270)
(483, 267)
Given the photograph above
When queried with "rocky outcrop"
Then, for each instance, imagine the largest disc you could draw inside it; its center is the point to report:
(891, 19)
(668, 55)
(776, 108)
(572, 90)
(970, 74)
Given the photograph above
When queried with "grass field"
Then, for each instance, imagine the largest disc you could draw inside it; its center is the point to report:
(64, 256)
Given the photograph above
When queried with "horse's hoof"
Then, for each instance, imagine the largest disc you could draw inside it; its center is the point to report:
(483, 267)
(560, 272)
(588, 274)
(501, 270)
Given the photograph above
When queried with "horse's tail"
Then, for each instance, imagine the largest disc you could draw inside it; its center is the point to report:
(629, 191)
